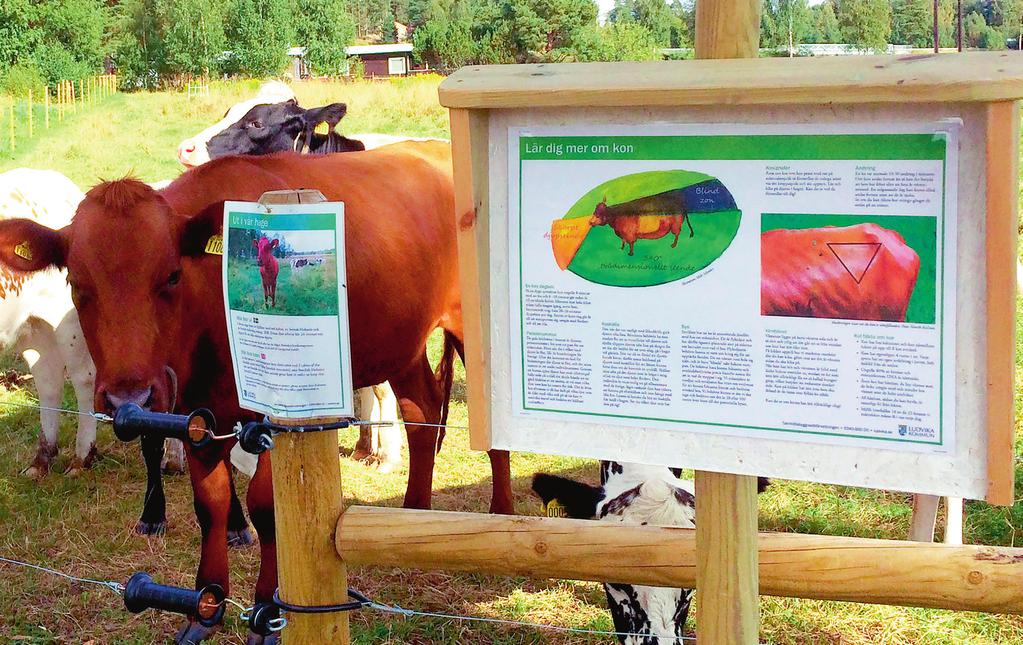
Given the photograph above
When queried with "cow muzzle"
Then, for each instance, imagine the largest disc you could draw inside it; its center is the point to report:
(159, 395)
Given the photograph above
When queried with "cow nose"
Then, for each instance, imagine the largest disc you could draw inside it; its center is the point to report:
(142, 398)
(185, 152)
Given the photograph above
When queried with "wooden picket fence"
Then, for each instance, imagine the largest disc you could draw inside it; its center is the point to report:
(26, 116)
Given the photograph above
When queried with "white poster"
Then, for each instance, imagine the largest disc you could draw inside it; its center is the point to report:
(287, 309)
(786, 282)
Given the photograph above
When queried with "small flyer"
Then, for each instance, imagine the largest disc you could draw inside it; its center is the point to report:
(287, 308)
(756, 281)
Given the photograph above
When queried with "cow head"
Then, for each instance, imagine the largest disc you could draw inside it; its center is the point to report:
(123, 253)
(273, 128)
(264, 250)
(599, 217)
(192, 151)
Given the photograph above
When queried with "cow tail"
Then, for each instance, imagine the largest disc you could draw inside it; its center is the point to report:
(445, 377)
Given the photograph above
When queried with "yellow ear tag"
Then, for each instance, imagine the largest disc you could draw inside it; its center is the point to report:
(215, 245)
(553, 509)
(322, 128)
(23, 250)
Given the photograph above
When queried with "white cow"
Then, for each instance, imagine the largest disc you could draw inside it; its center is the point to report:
(38, 319)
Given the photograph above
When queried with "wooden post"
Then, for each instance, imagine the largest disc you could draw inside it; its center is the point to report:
(727, 575)
(307, 503)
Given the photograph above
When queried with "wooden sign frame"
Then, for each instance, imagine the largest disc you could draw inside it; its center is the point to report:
(982, 88)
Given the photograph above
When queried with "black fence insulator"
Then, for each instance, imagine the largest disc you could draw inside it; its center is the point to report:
(255, 437)
(358, 602)
(319, 427)
(197, 428)
(206, 605)
(264, 618)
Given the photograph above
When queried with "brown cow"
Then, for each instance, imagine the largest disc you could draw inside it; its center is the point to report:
(154, 301)
(646, 218)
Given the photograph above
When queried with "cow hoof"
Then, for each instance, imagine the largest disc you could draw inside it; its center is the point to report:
(360, 455)
(151, 528)
(240, 539)
(35, 471)
(256, 639)
(193, 633)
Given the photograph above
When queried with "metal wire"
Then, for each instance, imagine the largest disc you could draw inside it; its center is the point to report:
(116, 587)
(99, 416)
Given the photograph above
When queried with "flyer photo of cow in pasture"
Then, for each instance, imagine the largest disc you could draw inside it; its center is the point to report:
(864, 270)
(283, 272)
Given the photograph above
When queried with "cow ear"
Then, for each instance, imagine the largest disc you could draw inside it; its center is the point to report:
(331, 114)
(195, 232)
(26, 245)
(275, 243)
(580, 500)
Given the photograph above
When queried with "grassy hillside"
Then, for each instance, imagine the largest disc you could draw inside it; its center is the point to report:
(84, 525)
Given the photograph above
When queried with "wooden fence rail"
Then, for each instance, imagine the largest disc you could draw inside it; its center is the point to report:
(889, 572)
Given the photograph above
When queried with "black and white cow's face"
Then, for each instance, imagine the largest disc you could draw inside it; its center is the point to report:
(265, 129)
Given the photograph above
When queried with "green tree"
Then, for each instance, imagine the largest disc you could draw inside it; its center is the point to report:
(541, 30)
(913, 23)
(372, 17)
(18, 39)
(788, 23)
(325, 29)
(616, 41)
(865, 24)
(824, 24)
(1009, 14)
(138, 42)
(654, 15)
(974, 27)
(259, 34)
(194, 39)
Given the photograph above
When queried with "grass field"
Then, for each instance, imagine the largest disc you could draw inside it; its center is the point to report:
(308, 291)
(84, 525)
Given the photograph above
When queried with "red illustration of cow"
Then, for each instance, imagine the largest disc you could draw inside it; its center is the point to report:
(268, 268)
(646, 218)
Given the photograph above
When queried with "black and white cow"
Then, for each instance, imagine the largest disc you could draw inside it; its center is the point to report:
(637, 495)
(633, 494)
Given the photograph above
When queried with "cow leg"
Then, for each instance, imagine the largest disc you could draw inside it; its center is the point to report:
(388, 448)
(173, 457)
(419, 398)
(238, 533)
(623, 245)
(365, 404)
(676, 228)
(47, 369)
(689, 223)
(211, 484)
(632, 247)
(82, 373)
(500, 469)
(154, 507)
(260, 501)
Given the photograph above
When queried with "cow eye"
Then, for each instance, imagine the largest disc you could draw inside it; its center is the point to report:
(174, 278)
(256, 124)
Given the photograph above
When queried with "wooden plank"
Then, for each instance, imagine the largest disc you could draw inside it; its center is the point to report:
(726, 505)
(470, 163)
(1003, 132)
(891, 572)
(726, 547)
(307, 503)
(727, 29)
(968, 77)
